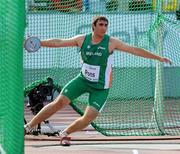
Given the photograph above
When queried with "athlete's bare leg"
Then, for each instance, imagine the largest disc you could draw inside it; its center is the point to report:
(48, 110)
(82, 122)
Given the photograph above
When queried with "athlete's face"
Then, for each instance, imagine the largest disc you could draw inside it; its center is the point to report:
(100, 28)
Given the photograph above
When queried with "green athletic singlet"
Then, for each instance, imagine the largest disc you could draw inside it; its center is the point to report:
(97, 63)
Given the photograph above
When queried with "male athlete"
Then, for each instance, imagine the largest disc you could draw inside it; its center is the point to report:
(95, 76)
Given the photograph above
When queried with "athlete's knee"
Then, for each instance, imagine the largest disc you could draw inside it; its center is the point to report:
(61, 100)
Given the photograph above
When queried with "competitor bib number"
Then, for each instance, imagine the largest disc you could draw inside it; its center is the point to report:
(91, 72)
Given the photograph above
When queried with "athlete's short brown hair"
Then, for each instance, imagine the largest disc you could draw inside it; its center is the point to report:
(97, 18)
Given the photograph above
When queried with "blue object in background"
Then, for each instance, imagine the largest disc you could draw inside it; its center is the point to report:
(86, 5)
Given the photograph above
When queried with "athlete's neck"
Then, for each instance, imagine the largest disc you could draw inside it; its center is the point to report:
(96, 38)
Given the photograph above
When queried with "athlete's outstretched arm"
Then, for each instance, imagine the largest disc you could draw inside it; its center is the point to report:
(56, 42)
(119, 45)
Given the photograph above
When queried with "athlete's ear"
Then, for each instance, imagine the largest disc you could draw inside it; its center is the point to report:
(93, 27)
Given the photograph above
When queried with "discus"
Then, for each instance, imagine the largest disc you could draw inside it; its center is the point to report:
(32, 44)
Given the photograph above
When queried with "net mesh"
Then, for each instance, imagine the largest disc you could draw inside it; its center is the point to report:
(144, 98)
(12, 25)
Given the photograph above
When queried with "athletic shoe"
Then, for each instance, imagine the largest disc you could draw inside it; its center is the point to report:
(65, 141)
(26, 129)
